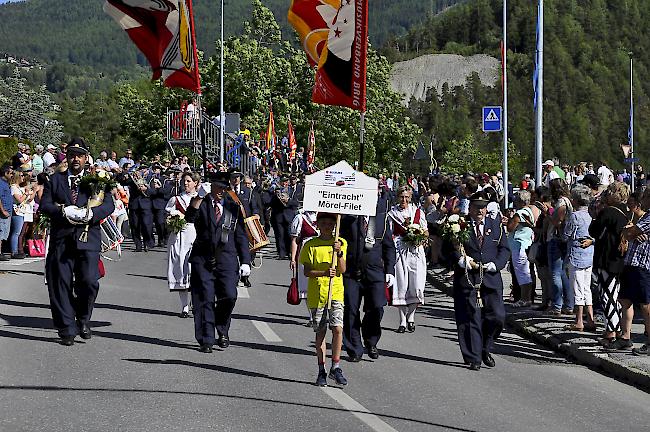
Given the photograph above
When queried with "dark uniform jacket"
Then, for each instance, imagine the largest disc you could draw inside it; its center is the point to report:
(57, 193)
(369, 264)
(209, 248)
(495, 249)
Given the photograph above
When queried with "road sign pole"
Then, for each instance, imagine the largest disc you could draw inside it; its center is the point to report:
(504, 114)
(632, 121)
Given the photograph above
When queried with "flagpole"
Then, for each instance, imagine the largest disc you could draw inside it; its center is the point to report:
(633, 177)
(539, 124)
(505, 104)
(362, 131)
(222, 120)
(199, 107)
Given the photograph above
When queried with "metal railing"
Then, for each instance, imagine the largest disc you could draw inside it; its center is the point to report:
(183, 129)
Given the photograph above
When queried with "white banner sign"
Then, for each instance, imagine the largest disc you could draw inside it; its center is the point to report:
(341, 189)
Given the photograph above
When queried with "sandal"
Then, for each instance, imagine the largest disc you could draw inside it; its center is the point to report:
(573, 327)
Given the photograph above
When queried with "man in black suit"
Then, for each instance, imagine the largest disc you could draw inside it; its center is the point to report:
(219, 257)
(371, 264)
(140, 212)
(159, 198)
(72, 264)
(244, 193)
(487, 253)
(281, 217)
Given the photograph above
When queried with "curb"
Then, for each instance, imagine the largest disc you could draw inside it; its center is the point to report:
(584, 354)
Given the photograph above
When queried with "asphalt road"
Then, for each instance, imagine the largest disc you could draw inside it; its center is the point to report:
(141, 371)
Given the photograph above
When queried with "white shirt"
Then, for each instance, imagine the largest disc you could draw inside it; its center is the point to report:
(605, 176)
(550, 176)
(70, 176)
(48, 159)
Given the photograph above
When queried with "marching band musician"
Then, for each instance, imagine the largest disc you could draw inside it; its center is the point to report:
(72, 265)
(159, 199)
(371, 257)
(487, 253)
(140, 211)
(220, 256)
(281, 217)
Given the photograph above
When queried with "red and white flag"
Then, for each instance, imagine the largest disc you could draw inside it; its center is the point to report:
(270, 131)
(293, 145)
(311, 150)
(342, 55)
(163, 30)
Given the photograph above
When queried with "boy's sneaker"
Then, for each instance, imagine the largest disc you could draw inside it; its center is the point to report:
(619, 344)
(337, 375)
(643, 351)
(321, 381)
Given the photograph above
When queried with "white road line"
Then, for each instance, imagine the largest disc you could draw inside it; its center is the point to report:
(266, 331)
(242, 292)
(358, 410)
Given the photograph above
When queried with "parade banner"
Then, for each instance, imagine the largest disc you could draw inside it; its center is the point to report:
(342, 56)
(293, 145)
(311, 150)
(163, 30)
(341, 189)
(270, 131)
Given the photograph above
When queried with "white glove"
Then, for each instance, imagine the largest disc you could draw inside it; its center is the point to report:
(390, 280)
(74, 214)
(88, 215)
(466, 262)
(490, 267)
(245, 270)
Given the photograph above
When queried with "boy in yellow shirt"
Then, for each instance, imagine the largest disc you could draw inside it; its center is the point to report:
(316, 255)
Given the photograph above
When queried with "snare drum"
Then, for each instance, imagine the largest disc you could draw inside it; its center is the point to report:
(255, 231)
(111, 237)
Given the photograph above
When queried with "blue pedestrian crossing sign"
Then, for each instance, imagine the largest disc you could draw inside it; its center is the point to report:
(492, 121)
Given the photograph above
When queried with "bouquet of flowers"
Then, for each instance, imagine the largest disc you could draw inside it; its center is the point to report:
(176, 223)
(415, 235)
(97, 184)
(454, 229)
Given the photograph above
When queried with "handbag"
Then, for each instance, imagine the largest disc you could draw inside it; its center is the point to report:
(389, 294)
(101, 268)
(36, 248)
(293, 296)
(533, 252)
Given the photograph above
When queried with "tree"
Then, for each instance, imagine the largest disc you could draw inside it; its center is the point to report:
(261, 67)
(26, 113)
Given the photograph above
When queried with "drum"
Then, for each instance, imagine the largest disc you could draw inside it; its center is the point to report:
(111, 237)
(255, 231)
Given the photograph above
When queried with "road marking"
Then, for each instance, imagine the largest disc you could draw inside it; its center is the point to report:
(242, 292)
(359, 411)
(266, 331)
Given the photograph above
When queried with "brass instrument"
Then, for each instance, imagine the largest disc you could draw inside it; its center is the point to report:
(283, 196)
(139, 182)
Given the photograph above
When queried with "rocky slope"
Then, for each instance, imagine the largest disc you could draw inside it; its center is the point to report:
(413, 78)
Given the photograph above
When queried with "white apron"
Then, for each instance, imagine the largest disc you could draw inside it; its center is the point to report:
(179, 247)
(411, 264)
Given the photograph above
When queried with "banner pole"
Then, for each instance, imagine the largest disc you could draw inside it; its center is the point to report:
(197, 74)
(199, 122)
(361, 139)
(334, 261)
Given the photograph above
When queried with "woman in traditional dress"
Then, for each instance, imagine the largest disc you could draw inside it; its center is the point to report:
(303, 227)
(411, 265)
(179, 244)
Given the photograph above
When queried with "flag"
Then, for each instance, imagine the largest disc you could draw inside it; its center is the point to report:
(311, 149)
(341, 56)
(163, 30)
(537, 51)
(293, 146)
(270, 131)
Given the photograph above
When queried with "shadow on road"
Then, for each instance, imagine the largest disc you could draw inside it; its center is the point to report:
(334, 409)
